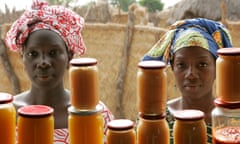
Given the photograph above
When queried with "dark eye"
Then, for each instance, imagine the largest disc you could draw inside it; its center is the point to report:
(180, 65)
(53, 53)
(203, 64)
(32, 54)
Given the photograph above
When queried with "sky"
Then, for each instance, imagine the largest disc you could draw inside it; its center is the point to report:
(22, 4)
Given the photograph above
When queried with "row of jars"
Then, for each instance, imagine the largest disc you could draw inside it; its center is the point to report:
(35, 124)
(226, 114)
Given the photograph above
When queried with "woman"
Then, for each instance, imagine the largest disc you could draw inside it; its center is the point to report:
(190, 46)
(47, 37)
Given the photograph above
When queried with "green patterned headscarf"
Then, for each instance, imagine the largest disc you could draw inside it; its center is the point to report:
(200, 32)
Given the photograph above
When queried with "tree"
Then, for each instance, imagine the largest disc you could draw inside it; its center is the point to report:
(123, 3)
(152, 5)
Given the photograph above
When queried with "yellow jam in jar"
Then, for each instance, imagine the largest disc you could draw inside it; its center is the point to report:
(84, 84)
(86, 126)
(121, 131)
(35, 124)
(7, 119)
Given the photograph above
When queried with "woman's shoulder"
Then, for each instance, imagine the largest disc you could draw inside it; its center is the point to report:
(19, 100)
(174, 104)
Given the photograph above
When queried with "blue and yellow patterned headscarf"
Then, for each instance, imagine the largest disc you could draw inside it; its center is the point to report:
(201, 32)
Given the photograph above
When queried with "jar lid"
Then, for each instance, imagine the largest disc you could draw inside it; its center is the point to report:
(35, 111)
(219, 103)
(189, 114)
(151, 64)
(5, 98)
(152, 116)
(84, 61)
(229, 51)
(120, 124)
(82, 112)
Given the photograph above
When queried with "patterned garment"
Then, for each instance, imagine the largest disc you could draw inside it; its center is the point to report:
(59, 19)
(170, 119)
(200, 32)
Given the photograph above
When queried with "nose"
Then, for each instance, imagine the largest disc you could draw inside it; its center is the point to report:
(191, 72)
(44, 62)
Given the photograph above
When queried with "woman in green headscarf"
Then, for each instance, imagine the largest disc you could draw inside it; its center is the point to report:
(190, 47)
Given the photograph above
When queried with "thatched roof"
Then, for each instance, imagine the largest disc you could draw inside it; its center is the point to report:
(211, 9)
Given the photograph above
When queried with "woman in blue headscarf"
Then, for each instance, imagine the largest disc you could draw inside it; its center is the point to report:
(190, 47)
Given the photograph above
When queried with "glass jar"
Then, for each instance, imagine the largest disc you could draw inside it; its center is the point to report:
(228, 74)
(189, 127)
(35, 124)
(121, 131)
(84, 85)
(152, 87)
(86, 126)
(152, 130)
(7, 119)
(226, 122)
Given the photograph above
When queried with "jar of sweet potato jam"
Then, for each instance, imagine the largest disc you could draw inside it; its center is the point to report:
(228, 74)
(226, 122)
(7, 119)
(84, 85)
(152, 129)
(189, 127)
(151, 87)
(35, 124)
(121, 131)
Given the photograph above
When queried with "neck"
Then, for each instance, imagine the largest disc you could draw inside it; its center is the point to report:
(204, 104)
(48, 96)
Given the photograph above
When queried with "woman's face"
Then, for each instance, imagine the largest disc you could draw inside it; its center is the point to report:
(194, 70)
(45, 58)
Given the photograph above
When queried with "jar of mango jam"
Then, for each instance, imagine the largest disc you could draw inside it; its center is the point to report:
(35, 124)
(84, 84)
(7, 119)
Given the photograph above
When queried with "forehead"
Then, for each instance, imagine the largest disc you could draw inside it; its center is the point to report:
(192, 53)
(44, 37)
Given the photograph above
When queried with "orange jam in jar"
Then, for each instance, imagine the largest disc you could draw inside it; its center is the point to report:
(228, 74)
(84, 84)
(152, 129)
(86, 126)
(35, 124)
(189, 127)
(7, 119)
(226, 122)
(151, 87)
(121, 131)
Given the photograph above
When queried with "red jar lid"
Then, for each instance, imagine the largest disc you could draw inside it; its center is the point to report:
(5, 98)
(35, 111)
(152, 117)
(151, 64)
(83, 61)
(120, 124)
(219, 103)
(229, 51)
(189, 114)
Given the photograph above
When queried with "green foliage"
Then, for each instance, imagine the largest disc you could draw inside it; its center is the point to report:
(152, 5)
(60, 2)
(123, 3)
